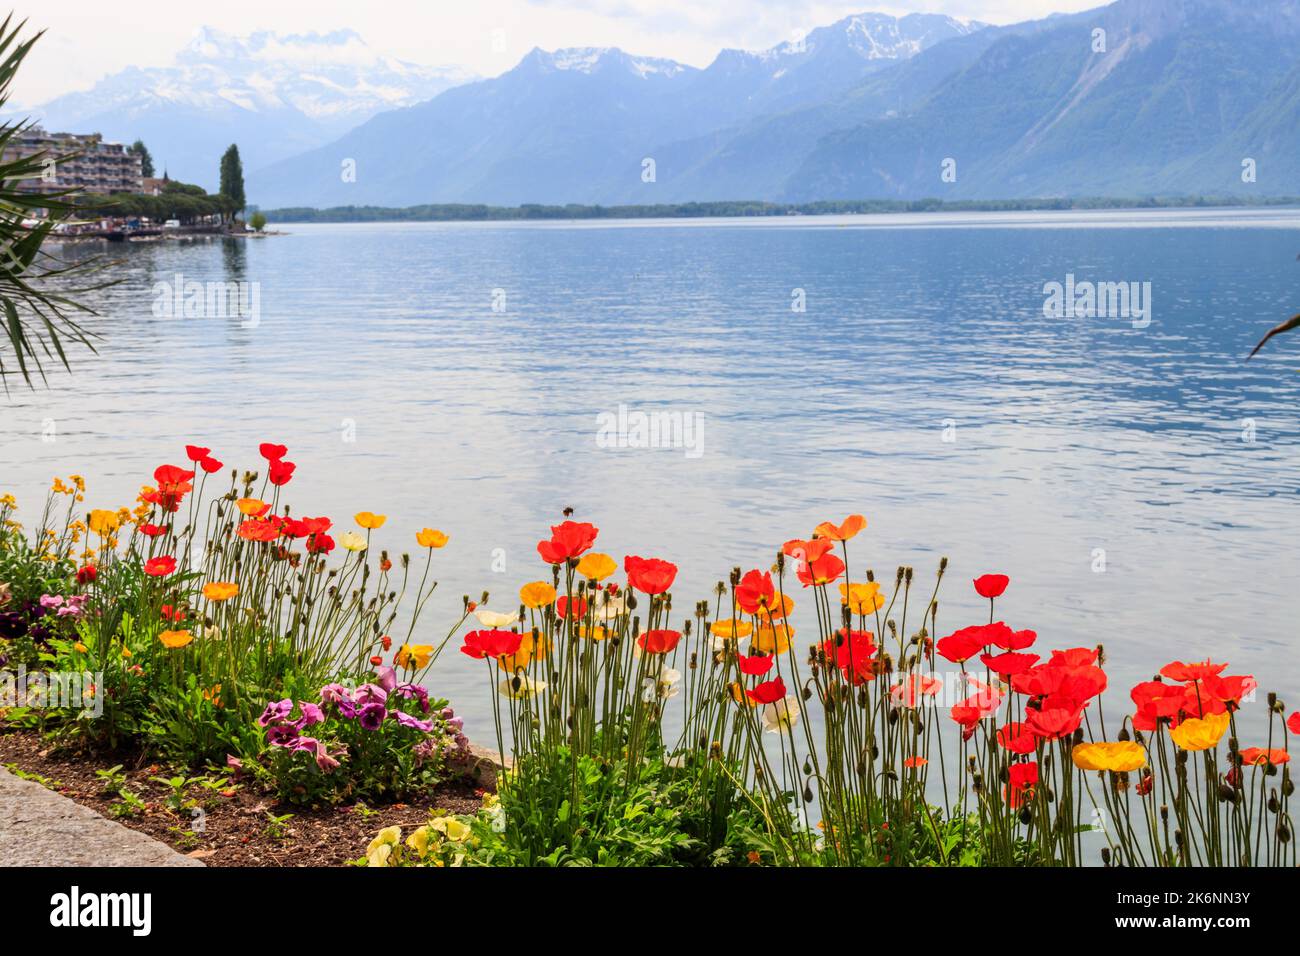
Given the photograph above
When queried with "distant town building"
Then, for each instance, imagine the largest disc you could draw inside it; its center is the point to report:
(153, 186)
(81, 162)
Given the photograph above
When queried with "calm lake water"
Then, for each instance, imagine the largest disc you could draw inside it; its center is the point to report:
(921, 386)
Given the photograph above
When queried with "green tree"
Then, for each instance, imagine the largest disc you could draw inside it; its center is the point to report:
(146, 161)
(36, 319)
(232, 178)
(258, 221)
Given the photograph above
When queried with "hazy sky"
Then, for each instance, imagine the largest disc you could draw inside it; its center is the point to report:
(88, 39)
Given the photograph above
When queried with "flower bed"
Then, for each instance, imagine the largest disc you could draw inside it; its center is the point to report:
(225, 633)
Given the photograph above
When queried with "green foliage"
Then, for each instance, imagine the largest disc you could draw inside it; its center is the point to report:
(461, 212)
(36, 319)
(232, 178)
(146, 160)
(258, 221)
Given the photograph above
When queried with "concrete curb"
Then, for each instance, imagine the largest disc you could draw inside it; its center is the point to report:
(39, 827)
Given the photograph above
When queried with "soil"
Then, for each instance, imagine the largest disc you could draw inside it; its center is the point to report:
(235, 827)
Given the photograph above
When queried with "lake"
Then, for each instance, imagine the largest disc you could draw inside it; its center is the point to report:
(1134, 476)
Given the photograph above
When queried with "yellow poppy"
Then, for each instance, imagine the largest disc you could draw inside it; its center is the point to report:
(369, 520)
(773, 639)
(596, 566)
(414, 656)
(1120, 756)
(175, 639)
(1200, 733)
(862, 598)
(252, 507)
(220, 590)
(79, 647)
(596, 633)
(104, 523)
(537, 594)
(731, 629)
(430, 538)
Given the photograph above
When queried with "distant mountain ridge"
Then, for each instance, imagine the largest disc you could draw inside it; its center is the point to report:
(274, 94)
(577, 124)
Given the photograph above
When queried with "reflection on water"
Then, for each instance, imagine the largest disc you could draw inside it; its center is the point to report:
(922, 386)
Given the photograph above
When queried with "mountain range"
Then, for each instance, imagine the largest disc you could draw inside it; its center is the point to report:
(1137, 98)
(276, 95)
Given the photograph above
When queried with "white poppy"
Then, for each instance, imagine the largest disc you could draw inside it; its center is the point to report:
(495, 618)
(780, 714)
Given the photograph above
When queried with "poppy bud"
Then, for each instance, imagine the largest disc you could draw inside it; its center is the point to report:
(1227, 793)
(1288, 787)
(807, 693)
(1178, 838)
(807, 795)
(1105, 856)
(1272, 700)
(871, 576)
(1124, 734)
(1284, 832)
(1026, 816)
(807, 767)
(943, 564)
(1272, 803)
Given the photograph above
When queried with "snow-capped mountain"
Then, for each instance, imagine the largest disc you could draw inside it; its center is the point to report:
(579, 122)
(273, 94)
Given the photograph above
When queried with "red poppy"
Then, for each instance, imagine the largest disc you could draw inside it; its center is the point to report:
(1231, 689)
(911, 763)
(160, 566)
(483, 644)
(991, 585)
(1022, 778)
(317, 526)
(908, 692)
(1156, 700)
(1257, 756)
(768, 692)
(658, 642)
(152, 530)
(376, 660)
(258, 529)
(962, 645)
(805, 552)
(1199, 702)
(1188, 673)
(568, 540)
(650, 575)
(755, 666)
(196, 452)
(852, 652)
(279, 472)
(1009, 640)
(1055, 718)
(320, 544)
(1075, 657)
(272, 452)
(1146, 784)
(822, 570)
(87, 574)
(1010, 663)
(171, 614)
(579, 607)
(210, 464)
(173, 486)
(387, 642)
(755, 591)
(1293, 723)
(1017, 738)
